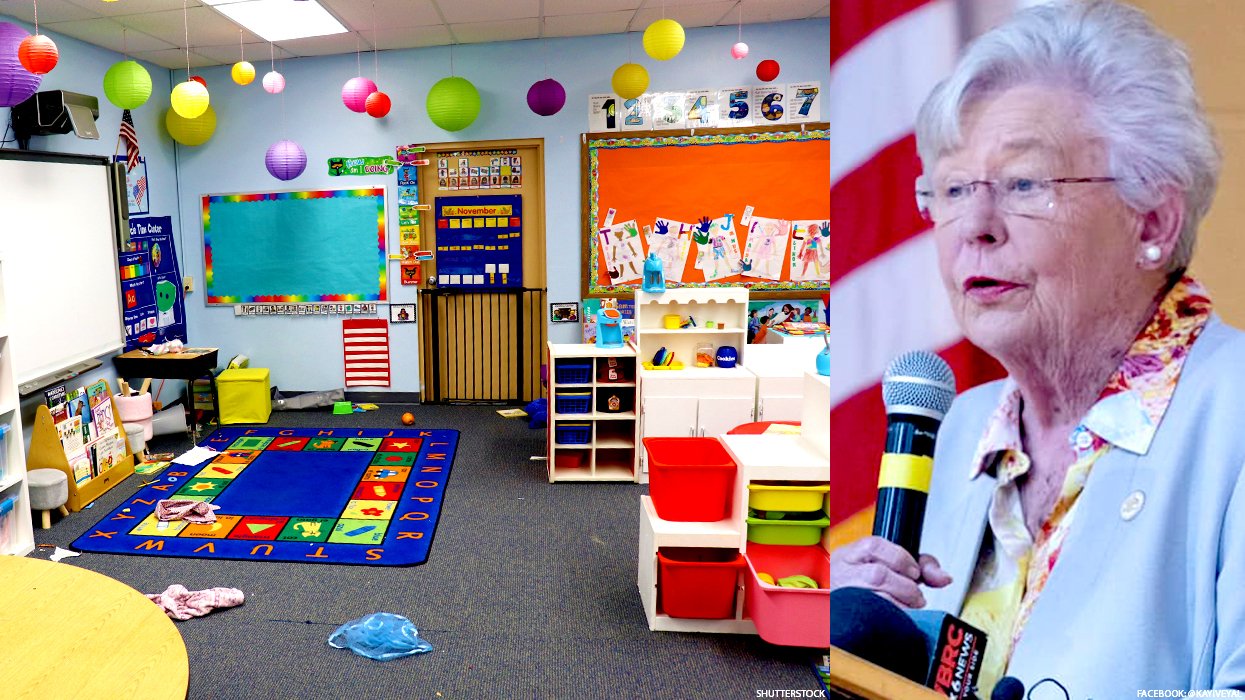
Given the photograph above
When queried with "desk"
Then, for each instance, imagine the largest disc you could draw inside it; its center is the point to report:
(73, 633)
(196, 363)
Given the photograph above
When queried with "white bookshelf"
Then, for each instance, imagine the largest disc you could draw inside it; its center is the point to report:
(611, 449)
(16, 528)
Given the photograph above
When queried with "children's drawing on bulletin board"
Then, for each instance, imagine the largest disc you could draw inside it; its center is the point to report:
(719, 207)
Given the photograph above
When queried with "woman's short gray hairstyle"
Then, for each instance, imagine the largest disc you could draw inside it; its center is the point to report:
(1138, 84)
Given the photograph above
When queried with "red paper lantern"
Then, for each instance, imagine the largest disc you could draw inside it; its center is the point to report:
(199, 79)
(38, 54)
(767, 70)
(378, 104)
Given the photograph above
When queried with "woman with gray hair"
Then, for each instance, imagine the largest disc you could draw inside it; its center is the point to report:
(1088, 511)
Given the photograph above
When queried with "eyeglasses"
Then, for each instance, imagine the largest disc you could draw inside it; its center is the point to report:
(1020, 196)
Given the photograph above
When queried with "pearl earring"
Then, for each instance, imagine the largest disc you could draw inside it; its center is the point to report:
(1152, 253)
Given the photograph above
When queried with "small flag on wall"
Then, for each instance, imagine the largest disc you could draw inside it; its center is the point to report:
(130, 137)
(366, 347)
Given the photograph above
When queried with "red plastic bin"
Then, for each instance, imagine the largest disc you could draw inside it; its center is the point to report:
(798, 617)
(698, 582)
(690, 478)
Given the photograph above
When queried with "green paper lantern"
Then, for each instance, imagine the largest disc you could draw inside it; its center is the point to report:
(453, 103)
(630, 81)
(191, 132)
(663, 40)
(127, 84)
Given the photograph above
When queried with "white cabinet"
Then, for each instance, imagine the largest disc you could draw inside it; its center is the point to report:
(779, 408)
(780, 370)
(716, 415)
(16, 530)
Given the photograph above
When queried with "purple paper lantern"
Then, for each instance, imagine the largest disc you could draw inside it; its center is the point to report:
(546, 97)
(286, 160)
(355, 93)
(16, 83)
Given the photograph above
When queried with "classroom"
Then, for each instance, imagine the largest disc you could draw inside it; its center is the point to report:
(417, 348)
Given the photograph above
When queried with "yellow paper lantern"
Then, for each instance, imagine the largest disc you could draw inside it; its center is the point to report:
(663, 40)
(243, 72)
(191, 132)
(630, 80)
(190, 99)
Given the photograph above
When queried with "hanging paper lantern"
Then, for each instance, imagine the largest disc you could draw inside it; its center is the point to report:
(127, 84)
(274, 82)
(191, 132)
(16, 83)
(286, 160)
(739, 51)
(453, 103)
(355, 93)
(767, 70)
(378, 104)
(630, 80)
(190, 99)
(663, 40)
(38, 54)
(243, 72)
(199, 79)
(546, 97)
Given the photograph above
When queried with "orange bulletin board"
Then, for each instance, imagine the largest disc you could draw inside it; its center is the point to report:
(780, 172)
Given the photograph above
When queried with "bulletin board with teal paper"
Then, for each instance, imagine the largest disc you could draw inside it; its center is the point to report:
(291, 247)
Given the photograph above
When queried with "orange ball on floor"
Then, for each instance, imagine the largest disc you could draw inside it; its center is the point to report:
(408, 419)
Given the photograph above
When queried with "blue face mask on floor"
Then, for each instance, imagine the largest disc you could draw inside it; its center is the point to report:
(380, 636)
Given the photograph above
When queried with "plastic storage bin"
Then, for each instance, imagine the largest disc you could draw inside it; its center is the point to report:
(572, 433)
(798, 617)
(788, 528)
(784, 497)
(698, 582)
(244, 396)
(4, 451)
(690, 478)
(572, 372)
(572, 402)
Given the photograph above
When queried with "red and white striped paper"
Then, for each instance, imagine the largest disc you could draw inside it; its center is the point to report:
(366, 347)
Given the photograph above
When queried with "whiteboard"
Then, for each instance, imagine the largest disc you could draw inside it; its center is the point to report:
(58, 256)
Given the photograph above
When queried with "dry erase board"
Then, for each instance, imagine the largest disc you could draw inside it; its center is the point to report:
(58, 254)
(290, 247)
(720, 207)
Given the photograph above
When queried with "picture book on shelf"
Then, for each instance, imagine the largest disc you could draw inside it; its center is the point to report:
(97, 393)
(70, 433)
(59, 412)
(55, 396)
(81, 466)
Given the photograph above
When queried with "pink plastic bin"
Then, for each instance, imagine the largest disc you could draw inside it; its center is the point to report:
(794, 617)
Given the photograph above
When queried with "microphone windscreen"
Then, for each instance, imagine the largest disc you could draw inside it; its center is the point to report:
(1008, 688)
(869, 626)
(920, 383)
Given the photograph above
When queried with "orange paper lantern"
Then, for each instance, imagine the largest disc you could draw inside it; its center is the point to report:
(38, 54)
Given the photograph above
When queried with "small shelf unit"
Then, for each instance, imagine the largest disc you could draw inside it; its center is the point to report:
(593, 429)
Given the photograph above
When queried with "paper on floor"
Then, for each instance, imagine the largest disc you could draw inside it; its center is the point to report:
(195, 456)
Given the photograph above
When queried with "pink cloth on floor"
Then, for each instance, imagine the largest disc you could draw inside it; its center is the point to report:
(181, 604)
(186, 509)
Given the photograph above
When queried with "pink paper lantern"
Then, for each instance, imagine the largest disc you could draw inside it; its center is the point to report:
(274, 82)
(739, 51)
(378, 104)
(16, 83)
(355, 93)
(546, 97)
(285, 160)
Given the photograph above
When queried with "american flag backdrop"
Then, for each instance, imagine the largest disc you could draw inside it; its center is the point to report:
(130, 137)
(886, 295)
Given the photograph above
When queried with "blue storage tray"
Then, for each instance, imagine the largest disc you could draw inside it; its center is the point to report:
(572, 434)
(572, 372)
(578, 403)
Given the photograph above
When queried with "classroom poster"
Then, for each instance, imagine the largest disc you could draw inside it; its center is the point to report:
(153, 307)
(479, 241)
(767, 314)
(137, 195)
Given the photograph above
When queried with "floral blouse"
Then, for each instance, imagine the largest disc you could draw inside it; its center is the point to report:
(1012, 566)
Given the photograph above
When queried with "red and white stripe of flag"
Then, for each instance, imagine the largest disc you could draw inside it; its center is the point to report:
(886, 295)
(366, 347)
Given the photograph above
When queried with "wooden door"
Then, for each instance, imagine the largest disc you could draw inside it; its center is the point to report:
(484, 346)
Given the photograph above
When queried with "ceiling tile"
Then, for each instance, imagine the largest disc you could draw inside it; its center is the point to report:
(207, 27)
(176, 58)
(58, 12)
(463, 11)
(411, 37)
(483, 32)
(108, 34)
(583, 7)
(389, 13)
(822, 10)
(585, 25)
(328, 45)
(704, 14)
(229, 54)
(125, 7)
(779, 10)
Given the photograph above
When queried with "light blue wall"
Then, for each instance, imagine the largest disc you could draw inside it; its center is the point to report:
(305, 353)
(81, 69)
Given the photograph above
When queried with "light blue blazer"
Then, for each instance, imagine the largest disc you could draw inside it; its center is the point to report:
(1151, 602)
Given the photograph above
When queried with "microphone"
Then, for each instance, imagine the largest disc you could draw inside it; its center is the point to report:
(957, 650)
(867, 625)
(917, 388)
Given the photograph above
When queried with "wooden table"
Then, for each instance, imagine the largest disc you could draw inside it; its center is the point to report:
(73, 633)
(189, 365)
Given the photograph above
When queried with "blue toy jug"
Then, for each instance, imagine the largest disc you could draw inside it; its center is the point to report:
(654, 275)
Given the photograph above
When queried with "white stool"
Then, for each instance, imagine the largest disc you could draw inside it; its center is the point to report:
(135, 433)
(49, 488)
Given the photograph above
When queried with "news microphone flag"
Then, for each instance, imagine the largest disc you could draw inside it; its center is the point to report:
(957, 650)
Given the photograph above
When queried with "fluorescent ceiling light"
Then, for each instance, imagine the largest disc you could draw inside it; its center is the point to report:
(280, 20)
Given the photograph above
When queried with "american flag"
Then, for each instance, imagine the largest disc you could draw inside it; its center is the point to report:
(131, 140)
(885, 292)
(139, 189)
